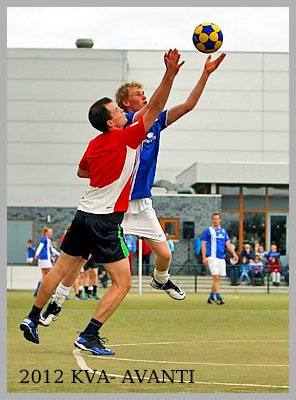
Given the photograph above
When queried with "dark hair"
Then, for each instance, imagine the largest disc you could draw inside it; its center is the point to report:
(216, 214)
(98, 114)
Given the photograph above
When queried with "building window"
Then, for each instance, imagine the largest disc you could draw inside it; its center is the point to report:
(230, 221)
(255, 208)
(172, 226)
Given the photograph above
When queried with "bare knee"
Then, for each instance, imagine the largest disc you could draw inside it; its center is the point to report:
(165, 256)
(124, 285)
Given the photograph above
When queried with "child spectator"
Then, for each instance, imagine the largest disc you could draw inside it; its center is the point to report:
(244, 270)
(256, 270)
(275, 269)
(31, 249)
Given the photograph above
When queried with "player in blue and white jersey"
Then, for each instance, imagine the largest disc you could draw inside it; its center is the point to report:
(43, 254)
(214, 240)
(141, 219)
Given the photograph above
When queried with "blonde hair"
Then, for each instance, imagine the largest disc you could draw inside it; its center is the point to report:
(122, 92)
(44, 230)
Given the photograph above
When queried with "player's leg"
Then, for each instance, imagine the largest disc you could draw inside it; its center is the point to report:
(90, 339)
(161, 277)
(48, 286)
(86, 282)
(141, 220)
(94, 282)
(54, 308)
(222, 272)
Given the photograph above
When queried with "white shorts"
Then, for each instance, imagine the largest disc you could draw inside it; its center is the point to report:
(217, 266)
(44, 264)
(30, 260)
(141, 220)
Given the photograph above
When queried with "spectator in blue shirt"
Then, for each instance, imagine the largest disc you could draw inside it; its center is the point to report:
(31, 249)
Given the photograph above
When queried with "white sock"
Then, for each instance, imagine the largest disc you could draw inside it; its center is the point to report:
(61, 293)
(161, 276)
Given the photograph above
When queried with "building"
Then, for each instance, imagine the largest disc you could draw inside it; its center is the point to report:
(234, 144)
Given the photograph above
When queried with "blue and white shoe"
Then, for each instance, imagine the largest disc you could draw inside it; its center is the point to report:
(94, 344)
(29, 327)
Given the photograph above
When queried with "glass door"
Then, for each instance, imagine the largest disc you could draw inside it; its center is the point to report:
(278, 232)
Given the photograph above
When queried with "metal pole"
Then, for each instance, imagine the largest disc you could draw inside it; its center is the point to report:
(140, 267)
(195, 279)
(268, 273)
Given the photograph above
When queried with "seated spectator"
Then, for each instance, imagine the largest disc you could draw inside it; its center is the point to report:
(233, 270)
(256, 271)
(275, 269)
(256, 247)
(262, 255)
(247, 252)
(273, 252)
(244, 270)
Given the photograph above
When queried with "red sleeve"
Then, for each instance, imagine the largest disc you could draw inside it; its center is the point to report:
(134, 134)
(83, 162)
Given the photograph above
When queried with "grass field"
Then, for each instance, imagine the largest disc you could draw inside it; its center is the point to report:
(240, 347)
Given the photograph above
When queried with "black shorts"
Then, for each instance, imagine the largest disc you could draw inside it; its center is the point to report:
(97, 234)
(90, 264)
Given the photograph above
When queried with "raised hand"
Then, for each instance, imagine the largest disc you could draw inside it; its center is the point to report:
(211, 66)
(171, 60)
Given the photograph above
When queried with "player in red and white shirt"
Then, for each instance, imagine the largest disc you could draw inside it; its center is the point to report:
(96, 228)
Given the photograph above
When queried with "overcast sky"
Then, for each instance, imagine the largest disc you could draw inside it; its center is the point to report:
(244, 28)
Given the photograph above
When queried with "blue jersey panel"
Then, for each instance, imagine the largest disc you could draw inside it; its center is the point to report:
(46, 249)
(216, 239)
(145, 171)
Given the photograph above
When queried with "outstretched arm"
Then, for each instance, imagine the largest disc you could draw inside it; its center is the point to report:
(160, 96)
(178, 111)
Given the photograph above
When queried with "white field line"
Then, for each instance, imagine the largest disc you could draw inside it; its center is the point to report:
(200, 341)
(82, 365)
(189, 363)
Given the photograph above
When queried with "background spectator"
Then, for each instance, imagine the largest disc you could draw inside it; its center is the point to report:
(197, 251)
(247, 252)
(132, 247)
(170, 242)
(273, 252)
(244, 270)
(146, 251)
(262, 255)
(64, 234)
(31, 249)
(257, 271)
(275, 269)
(233, 270)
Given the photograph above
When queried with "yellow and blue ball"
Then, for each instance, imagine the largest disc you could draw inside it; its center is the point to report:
(207, 37)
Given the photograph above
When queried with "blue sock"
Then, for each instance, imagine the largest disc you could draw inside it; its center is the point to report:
(212, 295)
(218, 296)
